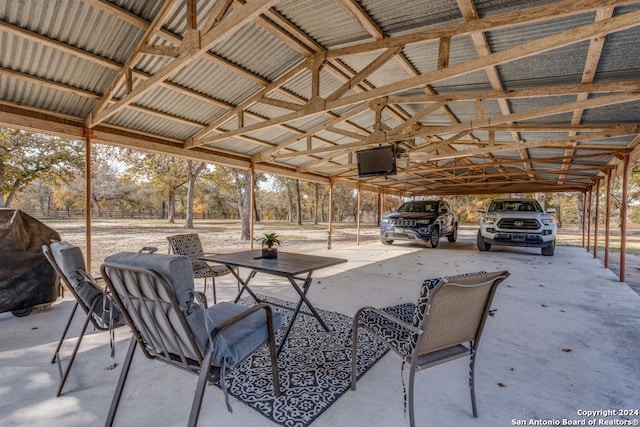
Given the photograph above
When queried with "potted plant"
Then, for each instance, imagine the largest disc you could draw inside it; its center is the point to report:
(269, 243)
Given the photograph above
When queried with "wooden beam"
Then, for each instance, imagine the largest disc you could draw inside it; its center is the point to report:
(353, 8)
(617, 23)
(623, 217)
(526, 16)
(444, 48)
(159, 19)
(194, 47)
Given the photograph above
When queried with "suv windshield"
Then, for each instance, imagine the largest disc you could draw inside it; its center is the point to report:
(422, 206)
(515, 206)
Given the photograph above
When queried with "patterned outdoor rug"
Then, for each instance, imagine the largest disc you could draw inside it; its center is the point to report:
(315, 368)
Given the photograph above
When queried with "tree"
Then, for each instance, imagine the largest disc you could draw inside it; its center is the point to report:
(193, 170)
(298, 203)
(243, 186)
(167, 174)
(26, 157)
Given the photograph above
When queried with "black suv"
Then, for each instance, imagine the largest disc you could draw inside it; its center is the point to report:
(425, 220)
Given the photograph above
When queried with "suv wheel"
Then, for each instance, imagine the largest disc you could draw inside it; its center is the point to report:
(482, 245)
(550, 250)
(454, 234)
(435, 237)
(386, 242)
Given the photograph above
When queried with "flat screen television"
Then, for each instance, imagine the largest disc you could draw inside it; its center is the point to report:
(377, 161)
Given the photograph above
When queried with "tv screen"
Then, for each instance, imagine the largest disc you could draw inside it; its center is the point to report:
(377, 161)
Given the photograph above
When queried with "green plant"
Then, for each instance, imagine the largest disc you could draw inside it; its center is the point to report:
(269, 240)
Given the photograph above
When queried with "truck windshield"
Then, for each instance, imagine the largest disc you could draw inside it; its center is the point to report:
(422, 206)
(515, 206)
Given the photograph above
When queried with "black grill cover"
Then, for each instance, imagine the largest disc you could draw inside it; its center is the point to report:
(26, 277)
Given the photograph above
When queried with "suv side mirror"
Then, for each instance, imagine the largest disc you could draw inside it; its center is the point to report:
(551, 210)
(483, 210)
(444, 211)
(394, 210)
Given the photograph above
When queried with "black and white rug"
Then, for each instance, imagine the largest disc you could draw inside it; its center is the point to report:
(315, 368)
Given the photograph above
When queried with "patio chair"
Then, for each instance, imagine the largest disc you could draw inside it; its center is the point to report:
(190, 245)
(155, 295)
(68, 263)
(447, 324)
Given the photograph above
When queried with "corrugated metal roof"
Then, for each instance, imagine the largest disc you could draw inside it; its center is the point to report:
(326, 22)
(49, 49)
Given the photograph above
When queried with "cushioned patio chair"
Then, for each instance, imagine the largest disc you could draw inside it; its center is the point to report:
(68, 262)
(155, 295)
(446, 324)
(190, 245)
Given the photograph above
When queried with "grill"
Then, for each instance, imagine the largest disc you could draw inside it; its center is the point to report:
(404, 222)
(519, 224)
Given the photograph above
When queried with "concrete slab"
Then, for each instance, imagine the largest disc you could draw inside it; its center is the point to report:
(562, 341)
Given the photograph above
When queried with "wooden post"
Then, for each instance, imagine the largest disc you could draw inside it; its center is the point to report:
(358, 217)
(330, 214)
(380, 207)
(607, 221)
(597, 220)
(251, 204)
(623, 217)
(584, 214)
(589, 219)
(88, 195)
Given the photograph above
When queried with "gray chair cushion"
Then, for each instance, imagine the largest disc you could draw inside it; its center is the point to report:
(239, 340)
(176, 270)
(71, 262)
(236, 342)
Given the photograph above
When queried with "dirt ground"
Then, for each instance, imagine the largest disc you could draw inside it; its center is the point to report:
(110, 236)
(217, 236)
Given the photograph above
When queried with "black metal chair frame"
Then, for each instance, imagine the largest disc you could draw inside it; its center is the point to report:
(89, 318)
(146, 333)
(428, 353)
(195, 261)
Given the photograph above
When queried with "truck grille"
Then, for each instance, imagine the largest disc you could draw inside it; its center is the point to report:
(519, 224)
(404, 222)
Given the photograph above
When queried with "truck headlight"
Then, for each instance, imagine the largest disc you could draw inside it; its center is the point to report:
(489, 220)
(547, 221)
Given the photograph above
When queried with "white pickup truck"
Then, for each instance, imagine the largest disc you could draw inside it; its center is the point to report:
(517, 222)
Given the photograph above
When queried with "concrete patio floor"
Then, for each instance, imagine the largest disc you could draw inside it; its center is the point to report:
(563, 340)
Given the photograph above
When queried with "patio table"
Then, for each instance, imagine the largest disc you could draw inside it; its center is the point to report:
(287, 264)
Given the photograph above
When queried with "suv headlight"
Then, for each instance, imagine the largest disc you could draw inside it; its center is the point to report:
(547, 221)
(385, 221)
(489, 220)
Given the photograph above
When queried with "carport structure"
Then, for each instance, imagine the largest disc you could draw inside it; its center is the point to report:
(478, 96)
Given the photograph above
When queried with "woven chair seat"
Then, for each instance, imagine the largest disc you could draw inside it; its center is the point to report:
(394, 335)
(190, 245)
(444, 325)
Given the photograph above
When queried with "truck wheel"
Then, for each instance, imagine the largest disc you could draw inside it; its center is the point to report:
(386, 242)
(482, 245)
(549, 251)
(435, 237)
(454, 234)
(23, 312)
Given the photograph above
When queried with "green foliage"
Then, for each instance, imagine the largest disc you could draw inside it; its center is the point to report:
(270, 240)
(26, 157)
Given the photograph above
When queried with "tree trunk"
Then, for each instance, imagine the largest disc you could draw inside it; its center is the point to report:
(194, 172)
(12, 194)
(171, 215)
(246, 209)
(256, 214)
(315, 204)
(242, 186)
(299, 203)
